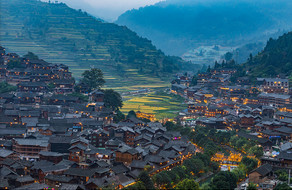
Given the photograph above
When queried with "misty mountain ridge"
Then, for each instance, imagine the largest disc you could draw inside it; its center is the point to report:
(177, 26)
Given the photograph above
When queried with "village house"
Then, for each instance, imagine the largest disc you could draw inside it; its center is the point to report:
(57, 180)
(96, 96)
(274, 85)
(63, 100)
(30, 148)
(60, 144)
(274, 99)
(179, 89)
(197, 108)
(77, 149)
(32, 87)
(125, 134)
(83, 175)
(4, 154)
(261, 174)
(63, 86)
(51, 156)
(98, 138)
(126, 154)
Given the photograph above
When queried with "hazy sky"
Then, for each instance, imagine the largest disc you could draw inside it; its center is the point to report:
(107, 9)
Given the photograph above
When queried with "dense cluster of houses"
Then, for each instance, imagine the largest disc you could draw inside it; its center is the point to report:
(34, 75)
(264, 108)
(52, 140)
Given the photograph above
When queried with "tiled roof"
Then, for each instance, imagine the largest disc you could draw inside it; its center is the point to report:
(284, 130)
(32, 142)
(286, 155)
(263, 169)
(46, 153)
(286, 146)
(4, 153)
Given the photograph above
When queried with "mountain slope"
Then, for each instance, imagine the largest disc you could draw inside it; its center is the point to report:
(60, 34)
(176, 26)
(276, 58)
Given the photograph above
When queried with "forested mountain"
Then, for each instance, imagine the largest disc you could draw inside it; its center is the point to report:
(176, 26)
(276, 58)
(60, 34)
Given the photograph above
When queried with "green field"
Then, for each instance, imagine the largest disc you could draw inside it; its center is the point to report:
(162, 104)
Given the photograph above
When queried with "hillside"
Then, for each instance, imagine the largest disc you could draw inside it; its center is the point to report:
(276, 58)
(60, 34)
(177, 26)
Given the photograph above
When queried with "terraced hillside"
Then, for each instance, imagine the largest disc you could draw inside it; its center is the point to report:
(60, 34)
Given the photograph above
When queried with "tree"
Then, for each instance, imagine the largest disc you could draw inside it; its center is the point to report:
(282, 186)
(250, 59)
(158, 179)
(148, 168)
(282, 175)
(14, 64)
(206, 186)
(51, 86)
(31, 56)
(139, 185)
(173, 176)
(240, 143)
(239, 172)
(188, 184)
(204, 68)
(178, 170)
(119, 116)
(79, 95)
(217, 65)
(233, 140)
(93, 78)
(228, 56)
(257, 151)
(214, 166)
(144, 177)
(194, 80)
(250, 163)
(5, 87)
(209, 69)
(165, 179)
(194, 165)
(224, 180)
(112, 99)
(170, 126)
(252, 186)
(131, 114)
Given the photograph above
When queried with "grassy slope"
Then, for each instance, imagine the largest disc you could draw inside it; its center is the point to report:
(51, 32)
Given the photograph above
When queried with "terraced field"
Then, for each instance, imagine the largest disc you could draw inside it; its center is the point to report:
(59, 34)
(161, 104)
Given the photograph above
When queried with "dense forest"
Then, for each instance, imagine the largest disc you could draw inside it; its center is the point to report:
(89, 42)
(175, 26)
(276, 58)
